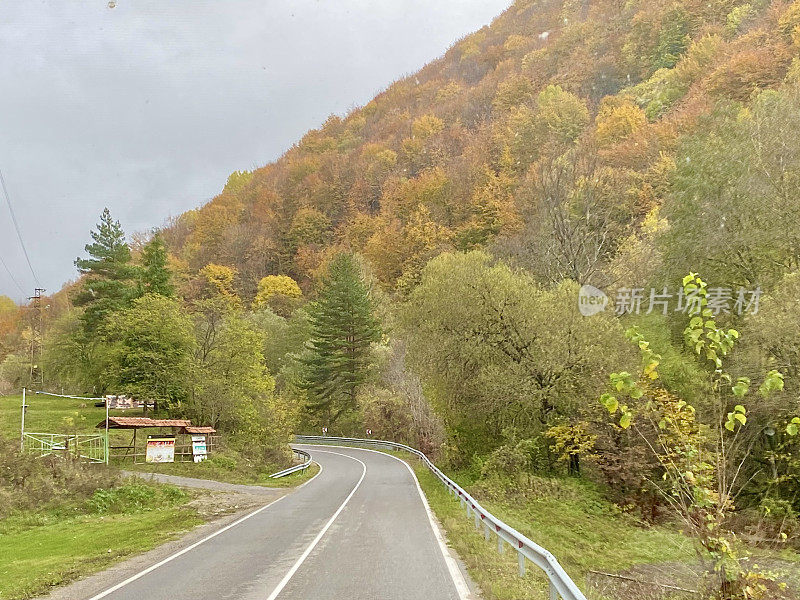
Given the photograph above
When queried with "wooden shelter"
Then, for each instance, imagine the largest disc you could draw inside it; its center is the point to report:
(178, 427)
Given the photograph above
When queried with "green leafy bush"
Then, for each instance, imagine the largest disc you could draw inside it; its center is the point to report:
(134, 497)
(27, 481)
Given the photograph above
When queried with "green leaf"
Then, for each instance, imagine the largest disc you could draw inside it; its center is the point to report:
(773, 382)
(792, 429)
(610, 402)
(625, 420)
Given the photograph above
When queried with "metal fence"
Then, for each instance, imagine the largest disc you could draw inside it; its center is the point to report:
(91, 447)
(561, 586)
(301, 467)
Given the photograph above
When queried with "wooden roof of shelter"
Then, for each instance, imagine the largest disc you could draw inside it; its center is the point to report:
(141, 422)
(197, 429)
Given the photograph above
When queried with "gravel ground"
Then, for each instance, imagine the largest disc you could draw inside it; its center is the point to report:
(207, 484)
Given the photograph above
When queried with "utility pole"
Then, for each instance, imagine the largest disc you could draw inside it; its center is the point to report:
(22, 424)
(37, 335)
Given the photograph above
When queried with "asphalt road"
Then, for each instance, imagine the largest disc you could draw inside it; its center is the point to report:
(360, 530)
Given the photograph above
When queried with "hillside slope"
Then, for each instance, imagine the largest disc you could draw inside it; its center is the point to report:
(556, 123)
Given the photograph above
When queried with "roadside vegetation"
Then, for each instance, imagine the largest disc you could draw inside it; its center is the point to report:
(60, 519)
(227, 468)
(68, 415)
(568, 517)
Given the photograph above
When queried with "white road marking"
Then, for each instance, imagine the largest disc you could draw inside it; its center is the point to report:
(316, 540)
(172, 557)
(457, 576)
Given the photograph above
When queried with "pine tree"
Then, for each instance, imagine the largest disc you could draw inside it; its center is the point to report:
(155, 276)
(107, 285)
(343, 329)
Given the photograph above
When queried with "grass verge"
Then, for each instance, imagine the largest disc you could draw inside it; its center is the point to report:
(219, 468)
(43, 548)
(568, 518)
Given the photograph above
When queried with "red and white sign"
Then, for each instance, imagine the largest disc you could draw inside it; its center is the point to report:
(160, 450)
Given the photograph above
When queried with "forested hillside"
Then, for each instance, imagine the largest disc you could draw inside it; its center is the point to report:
(413, 268)
(560, 137)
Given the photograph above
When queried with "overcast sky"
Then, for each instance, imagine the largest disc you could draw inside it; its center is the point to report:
(146, 107)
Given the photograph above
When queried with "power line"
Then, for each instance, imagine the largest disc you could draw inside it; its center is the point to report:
(11, 275)
(16, 226)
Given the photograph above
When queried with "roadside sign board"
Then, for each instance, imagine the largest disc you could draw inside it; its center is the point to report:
(160, 450)
(122, 402)
(199, 448)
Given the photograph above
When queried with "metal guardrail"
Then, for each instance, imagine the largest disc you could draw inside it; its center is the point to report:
(561, 585)
(88, 447)
(295, 468)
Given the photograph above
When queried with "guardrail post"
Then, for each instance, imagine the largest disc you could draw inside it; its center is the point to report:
(487, 532)
(521, 557)
(553, 592)
(477, 519)
(500, 546)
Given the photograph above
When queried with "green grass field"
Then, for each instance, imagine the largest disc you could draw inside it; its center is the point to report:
(47, 414)
(43, 548)
(54, 415)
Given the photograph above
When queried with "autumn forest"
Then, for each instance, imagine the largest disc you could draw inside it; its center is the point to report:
(416, 268)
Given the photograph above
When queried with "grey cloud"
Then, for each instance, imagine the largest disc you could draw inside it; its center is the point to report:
(147, 107)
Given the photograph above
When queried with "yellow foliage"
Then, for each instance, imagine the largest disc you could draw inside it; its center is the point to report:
(617, 120)
(638, 257)
(220, 278)
(451, 90)
(276, 285)
(7, 306)
(515, 42)
(431, 188)
(426, 126)
(471, 45)
(789, 21)
(309, 226)
(514, 91)
(562, 113)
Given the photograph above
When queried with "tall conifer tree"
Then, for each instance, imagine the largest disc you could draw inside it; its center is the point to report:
(155, 276)
(344, 327)
(107, 284)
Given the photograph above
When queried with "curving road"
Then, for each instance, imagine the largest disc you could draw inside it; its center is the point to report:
(360, 529)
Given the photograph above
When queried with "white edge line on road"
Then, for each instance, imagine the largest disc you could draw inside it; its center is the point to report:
(172, 557)
(459, 581)
(313, 544)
